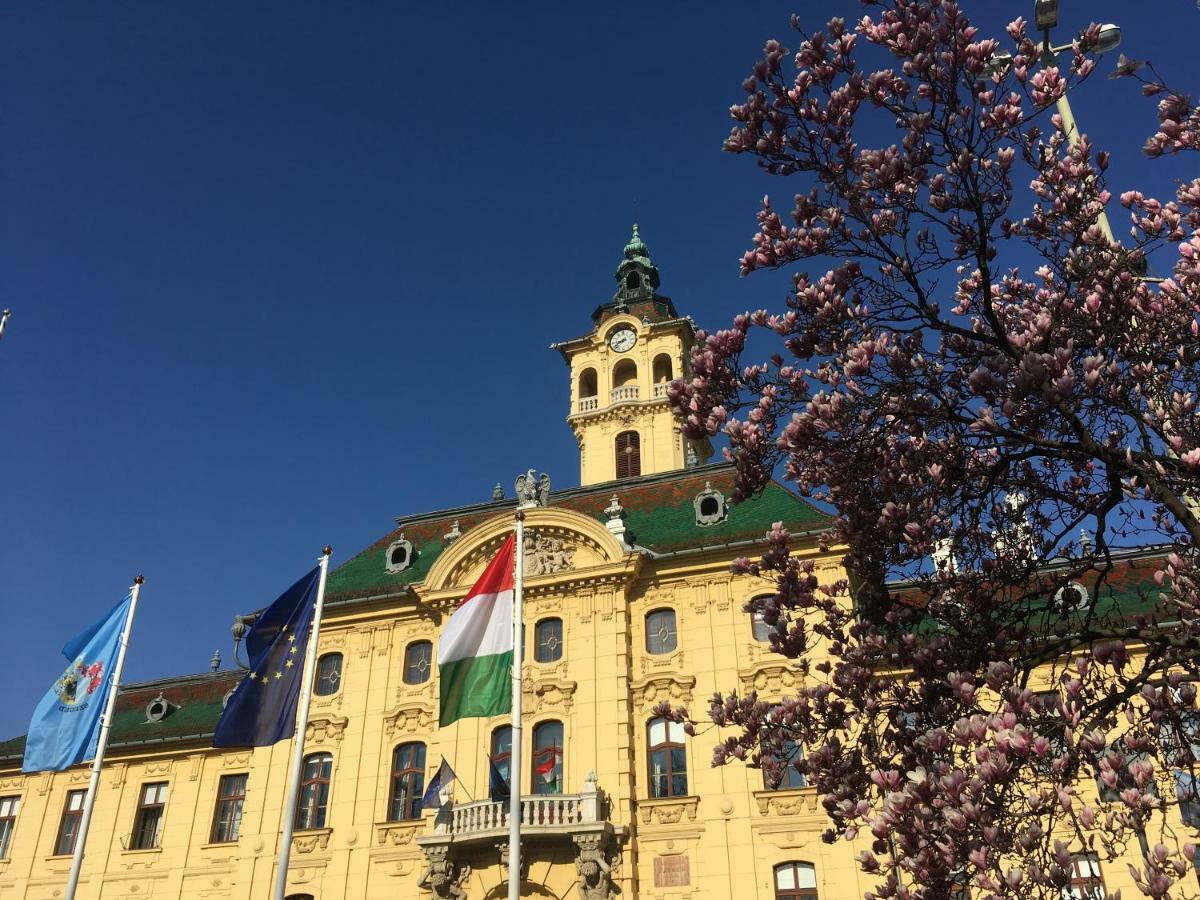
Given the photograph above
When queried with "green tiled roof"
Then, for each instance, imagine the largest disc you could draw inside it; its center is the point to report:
(198, 702)
(659, 515)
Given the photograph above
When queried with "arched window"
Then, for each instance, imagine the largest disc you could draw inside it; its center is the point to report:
(314, 791)
(759, 629)
(660, 631)
(408, 782)
(624, 373)
(418, 661)
(587, 384)
(668, 759)
(329, 674)
(790, 777)
(662, 369)
(549, 637)
(501, 759)
(629, 454)
(633, 280)
(548, 758)
(795, 881)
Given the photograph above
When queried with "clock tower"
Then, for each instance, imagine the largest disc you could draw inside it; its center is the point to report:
(619, 376)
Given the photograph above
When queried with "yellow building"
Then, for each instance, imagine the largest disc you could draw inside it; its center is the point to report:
(629, 603)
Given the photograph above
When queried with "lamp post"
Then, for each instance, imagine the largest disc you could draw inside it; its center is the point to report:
(1045, 15)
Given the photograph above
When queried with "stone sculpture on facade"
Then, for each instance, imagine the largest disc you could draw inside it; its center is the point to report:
(546, 555)
(595, 864)
(443, 876)
(533, 491)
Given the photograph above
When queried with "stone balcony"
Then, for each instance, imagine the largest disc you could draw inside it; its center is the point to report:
(468, 831)
(623, 393)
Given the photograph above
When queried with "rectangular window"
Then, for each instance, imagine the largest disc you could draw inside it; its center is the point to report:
(668, 759)
(8, 821)
(68, 828)
(313, 801)
(227, 820)
(147, 824)
(1086, 880)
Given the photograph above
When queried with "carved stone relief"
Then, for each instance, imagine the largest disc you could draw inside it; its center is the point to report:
(412, 719)
(675, 689)
(323, 730)
(546, 554)
(668, 811)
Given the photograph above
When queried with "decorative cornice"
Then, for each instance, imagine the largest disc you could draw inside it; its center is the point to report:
(325, 729)
(674, 688)
(771, 677)
(668, 810)
(787, 802)
(308, 841)
(409, 718)
(397, 834)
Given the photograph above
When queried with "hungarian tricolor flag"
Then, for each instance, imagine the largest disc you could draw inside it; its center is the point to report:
(545, 764)
(476, 651)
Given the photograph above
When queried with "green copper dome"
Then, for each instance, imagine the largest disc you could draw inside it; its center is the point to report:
(636, 247)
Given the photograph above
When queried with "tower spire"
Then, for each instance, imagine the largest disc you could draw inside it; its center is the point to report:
(637, 276)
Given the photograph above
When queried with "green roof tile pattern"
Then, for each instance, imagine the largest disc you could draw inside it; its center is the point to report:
(659, 515)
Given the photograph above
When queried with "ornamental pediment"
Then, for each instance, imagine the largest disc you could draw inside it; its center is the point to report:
(561, 546)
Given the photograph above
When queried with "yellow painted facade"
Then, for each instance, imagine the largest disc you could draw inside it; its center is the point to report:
(722, 836)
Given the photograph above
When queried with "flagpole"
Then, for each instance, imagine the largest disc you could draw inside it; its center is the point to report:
(514, 778)
(293, 788)
(101, 743)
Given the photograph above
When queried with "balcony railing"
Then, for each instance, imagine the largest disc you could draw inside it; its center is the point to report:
(660, 390)
(588, 404)
(553, 810)
(620, 394)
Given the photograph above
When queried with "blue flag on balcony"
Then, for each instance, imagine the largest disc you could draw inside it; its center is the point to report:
(262, 709)
(66, 723)
(497, 783)
(433, 794)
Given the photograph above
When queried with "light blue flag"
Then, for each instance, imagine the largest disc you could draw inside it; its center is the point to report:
(66, 724)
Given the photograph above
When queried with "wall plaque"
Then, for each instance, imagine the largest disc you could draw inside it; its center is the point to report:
(672, 871)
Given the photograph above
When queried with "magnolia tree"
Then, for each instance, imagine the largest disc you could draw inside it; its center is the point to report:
(995, 398)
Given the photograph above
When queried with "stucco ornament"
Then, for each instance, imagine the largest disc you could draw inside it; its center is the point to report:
(546, 555)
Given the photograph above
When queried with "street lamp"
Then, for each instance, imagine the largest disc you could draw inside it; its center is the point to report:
(1045, 15)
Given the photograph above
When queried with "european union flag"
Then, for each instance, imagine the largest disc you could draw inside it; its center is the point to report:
(497, 784)
(433, 794)
(66, 723)
(262, 709)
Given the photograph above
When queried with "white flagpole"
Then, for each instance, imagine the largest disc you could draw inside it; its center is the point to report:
(514, 773)
(102, 743)
(293, 788)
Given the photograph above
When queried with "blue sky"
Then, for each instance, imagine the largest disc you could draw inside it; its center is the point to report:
(282, 272)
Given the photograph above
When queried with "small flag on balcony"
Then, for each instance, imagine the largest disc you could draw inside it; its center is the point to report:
(546, 765)
(497, 784)
(476, 651)
(441, 778)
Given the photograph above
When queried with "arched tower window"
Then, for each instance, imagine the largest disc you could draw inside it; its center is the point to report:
(633, 280)
(624, 373)
(662, 369)
(629, 454)
(587, 383)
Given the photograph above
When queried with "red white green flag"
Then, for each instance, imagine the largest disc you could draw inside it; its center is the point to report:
(476, 651)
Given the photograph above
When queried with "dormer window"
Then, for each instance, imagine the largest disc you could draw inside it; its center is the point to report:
(710, 506)
(399, 555)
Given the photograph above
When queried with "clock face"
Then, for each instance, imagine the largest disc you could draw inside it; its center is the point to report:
(622, 339)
